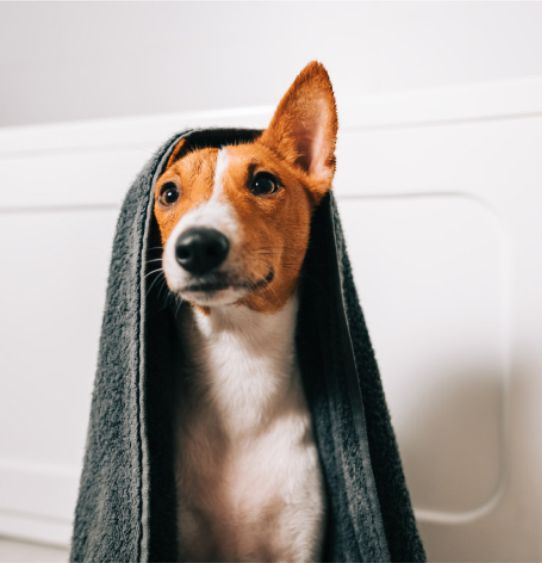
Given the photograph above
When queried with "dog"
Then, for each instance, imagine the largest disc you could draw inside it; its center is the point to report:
(235, 224)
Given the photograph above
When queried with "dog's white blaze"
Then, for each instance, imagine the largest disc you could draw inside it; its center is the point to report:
(220, 171)
(216, 213)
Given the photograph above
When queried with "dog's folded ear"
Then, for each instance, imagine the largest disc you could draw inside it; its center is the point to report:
(177, 152)
(304, 128)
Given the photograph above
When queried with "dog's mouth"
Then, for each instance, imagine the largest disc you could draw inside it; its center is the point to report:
(219, 281)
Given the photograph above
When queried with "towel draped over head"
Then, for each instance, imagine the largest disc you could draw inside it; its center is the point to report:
(126, 507)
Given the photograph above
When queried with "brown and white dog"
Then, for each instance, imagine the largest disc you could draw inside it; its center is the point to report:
(235, 225)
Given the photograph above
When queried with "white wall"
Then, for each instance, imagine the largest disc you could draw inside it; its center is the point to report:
(64, 61)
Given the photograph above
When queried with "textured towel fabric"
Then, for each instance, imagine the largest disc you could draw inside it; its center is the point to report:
(126, 505)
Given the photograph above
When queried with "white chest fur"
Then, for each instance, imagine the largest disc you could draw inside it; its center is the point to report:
(248, 479)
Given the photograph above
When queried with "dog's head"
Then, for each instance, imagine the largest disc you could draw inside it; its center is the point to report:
(235, 221)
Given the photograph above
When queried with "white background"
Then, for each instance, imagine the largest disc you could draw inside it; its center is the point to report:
(79, 60)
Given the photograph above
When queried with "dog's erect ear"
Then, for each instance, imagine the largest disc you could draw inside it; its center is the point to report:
(304, 128)
(176, 153)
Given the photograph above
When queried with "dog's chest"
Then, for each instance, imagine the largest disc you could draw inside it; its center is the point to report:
(248, 478)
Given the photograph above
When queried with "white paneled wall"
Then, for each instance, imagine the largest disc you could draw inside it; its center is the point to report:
(440, 194)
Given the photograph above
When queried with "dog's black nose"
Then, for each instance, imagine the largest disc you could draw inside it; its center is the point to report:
(199, 250)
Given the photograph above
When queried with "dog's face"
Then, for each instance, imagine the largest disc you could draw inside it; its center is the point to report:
(235, 221)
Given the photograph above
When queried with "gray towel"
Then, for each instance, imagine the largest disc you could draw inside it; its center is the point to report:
(126, 506)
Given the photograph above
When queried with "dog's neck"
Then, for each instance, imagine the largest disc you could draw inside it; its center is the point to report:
(245, 363)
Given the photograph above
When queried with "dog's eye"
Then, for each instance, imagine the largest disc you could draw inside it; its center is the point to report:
(264, 183)
(169, 193)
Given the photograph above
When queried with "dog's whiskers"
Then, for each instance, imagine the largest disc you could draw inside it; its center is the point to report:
(153, 272)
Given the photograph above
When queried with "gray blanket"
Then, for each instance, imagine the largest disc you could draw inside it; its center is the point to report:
(126, 506)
